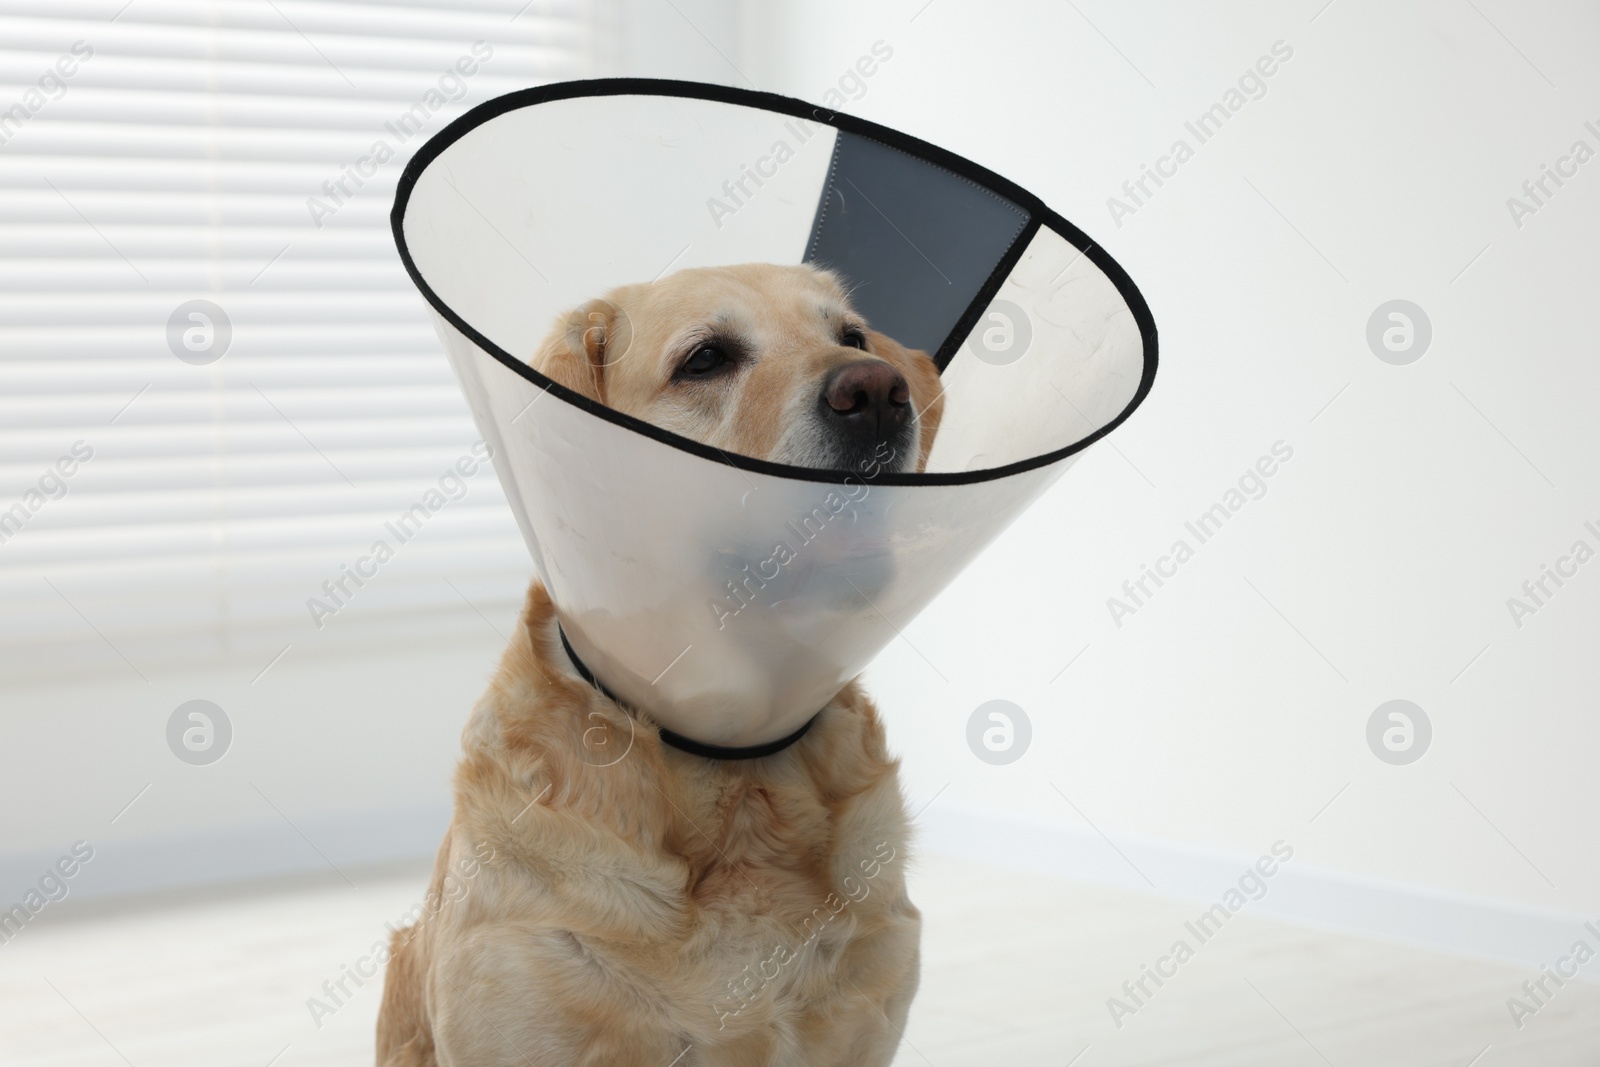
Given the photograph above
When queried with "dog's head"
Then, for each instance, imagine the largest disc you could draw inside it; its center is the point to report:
(761, 360)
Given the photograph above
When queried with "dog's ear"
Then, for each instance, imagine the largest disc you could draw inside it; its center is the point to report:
(580, 347)
(927, 388)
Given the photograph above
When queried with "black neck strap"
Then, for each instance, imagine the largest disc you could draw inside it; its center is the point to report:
(678, 741)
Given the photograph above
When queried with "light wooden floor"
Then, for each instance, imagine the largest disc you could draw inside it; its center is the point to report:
(1016, 971)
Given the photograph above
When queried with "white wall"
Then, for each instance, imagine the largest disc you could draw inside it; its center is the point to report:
(1208, 723)
(338, 758)
(1228, 711)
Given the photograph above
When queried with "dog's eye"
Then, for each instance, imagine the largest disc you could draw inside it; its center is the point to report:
(855, 339)
(703, 361)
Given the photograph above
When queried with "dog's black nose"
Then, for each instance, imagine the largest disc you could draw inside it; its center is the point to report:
(869, 397)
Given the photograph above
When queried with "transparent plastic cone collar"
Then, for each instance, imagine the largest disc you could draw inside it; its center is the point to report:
(731, 597)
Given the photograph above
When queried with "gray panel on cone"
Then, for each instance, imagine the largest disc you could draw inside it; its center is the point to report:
(914, 241)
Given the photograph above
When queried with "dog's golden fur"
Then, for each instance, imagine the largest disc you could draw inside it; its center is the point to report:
(640, 906)
(754, 912)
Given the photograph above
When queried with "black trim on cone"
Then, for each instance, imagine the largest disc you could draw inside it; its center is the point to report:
(677, 740)
(784, 105)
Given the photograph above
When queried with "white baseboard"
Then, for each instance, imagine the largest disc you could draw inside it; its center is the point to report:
(1298, 892)
(344, 844)
(190, 864)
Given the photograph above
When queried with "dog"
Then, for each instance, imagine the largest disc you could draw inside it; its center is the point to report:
(668, 909)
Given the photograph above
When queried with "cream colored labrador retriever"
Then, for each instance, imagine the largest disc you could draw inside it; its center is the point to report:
(667, 909)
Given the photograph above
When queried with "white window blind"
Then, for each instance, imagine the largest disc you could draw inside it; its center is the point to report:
(157, 509)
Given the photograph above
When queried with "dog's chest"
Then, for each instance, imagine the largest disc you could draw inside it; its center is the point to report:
(779, 893)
